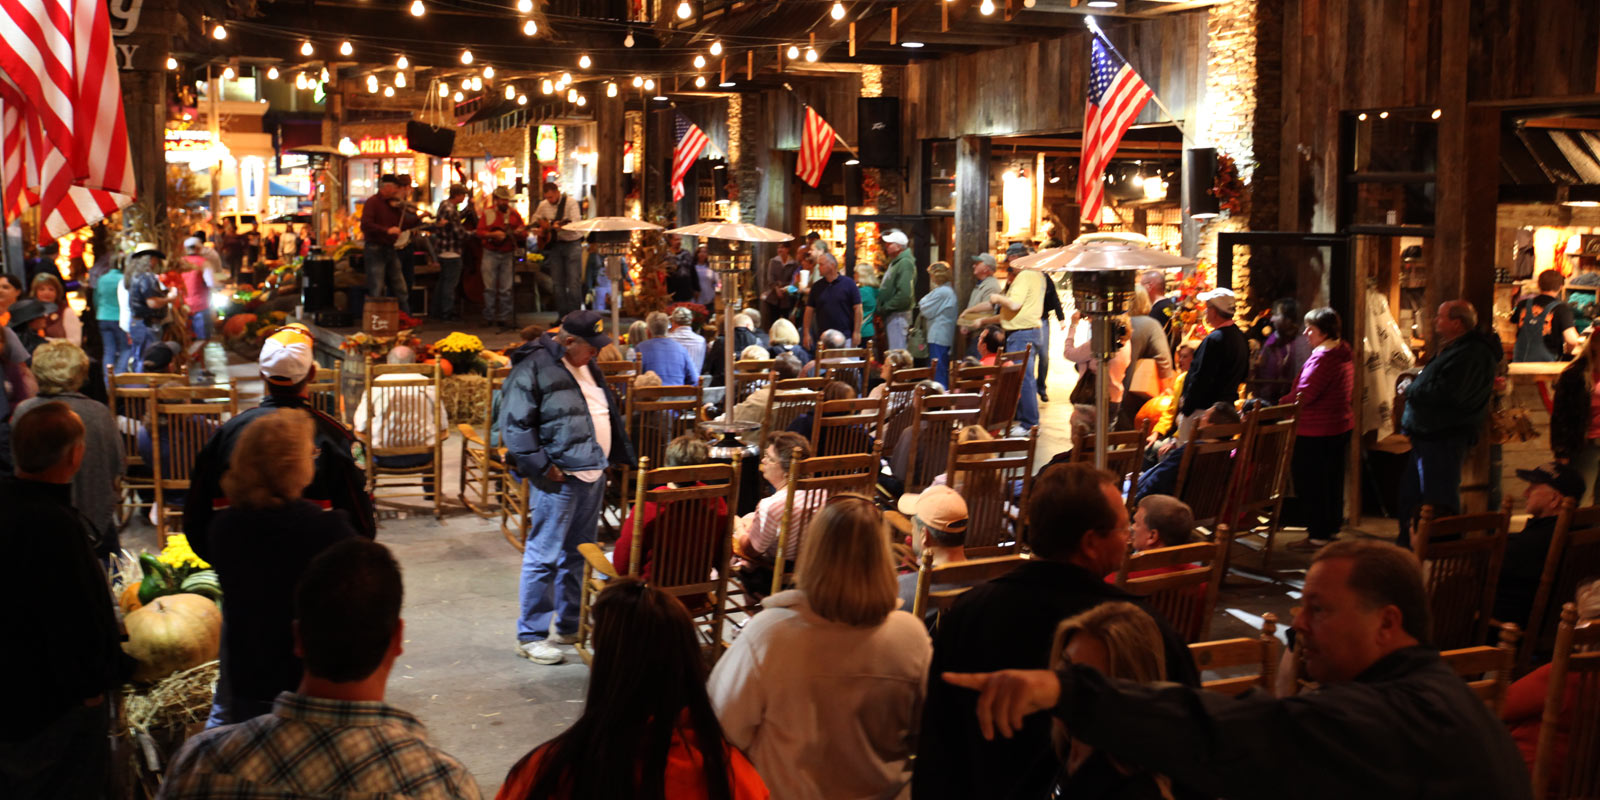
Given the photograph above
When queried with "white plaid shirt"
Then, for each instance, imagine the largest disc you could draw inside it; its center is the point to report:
(311, 747)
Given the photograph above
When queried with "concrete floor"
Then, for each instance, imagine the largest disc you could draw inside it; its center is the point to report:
(488, 707)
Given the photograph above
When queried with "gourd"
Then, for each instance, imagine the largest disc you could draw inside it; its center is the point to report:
(172, 633)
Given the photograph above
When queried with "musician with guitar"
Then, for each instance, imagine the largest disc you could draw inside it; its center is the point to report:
(500, 228)
(562, 249)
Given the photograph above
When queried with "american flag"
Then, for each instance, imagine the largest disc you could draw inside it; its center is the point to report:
(691, 143)
(1116, 96)
(816, 144)
(63, 139)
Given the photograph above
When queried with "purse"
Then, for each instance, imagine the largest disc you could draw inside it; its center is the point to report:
(917, 336)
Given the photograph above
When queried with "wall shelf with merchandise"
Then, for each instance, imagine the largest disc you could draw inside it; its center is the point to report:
(829, 223)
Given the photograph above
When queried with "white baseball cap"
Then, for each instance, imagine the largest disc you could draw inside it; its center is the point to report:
(286, 356)
(1222, 300)
(896, 237)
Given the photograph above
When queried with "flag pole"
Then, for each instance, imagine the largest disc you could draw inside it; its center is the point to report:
(836, 137)
(1094, 28)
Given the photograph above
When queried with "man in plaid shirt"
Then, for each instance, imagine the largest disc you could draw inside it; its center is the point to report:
(334, 737)
(450, 228)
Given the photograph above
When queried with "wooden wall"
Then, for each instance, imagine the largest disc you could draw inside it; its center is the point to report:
(1041, 87)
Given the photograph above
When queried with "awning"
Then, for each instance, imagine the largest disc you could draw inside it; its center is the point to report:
(273, 188)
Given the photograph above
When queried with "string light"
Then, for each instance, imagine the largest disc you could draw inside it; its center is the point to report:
(402, 62)
(837, 12)
(300, 80)
(306, 49)
(1437, 113)
(172, 63)
(466, 84)
(566, 79)
(272, 73)
(684, 11)
(227, 73)
(649, 84)
(488, 72)
(324, 74)
(699, 81)
(572, 95)
(582, 101)
(219, 33)
(794, 52)
(444, 90)
(388, 91)
(525, 6)
(546, 86)
(417, 8)
(477, 84)
(459, 97)
(466, 56)
(345, 48)
(611, 90)
(511, 91)
(638, 82)
(986, 8)
(522, 99)
(530, 28)
(699, 62)
(716, 47)
(372, 84)
(400, 79)
(627, 41)
(584, 62)
(811, 54)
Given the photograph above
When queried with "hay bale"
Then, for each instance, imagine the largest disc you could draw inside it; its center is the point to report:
(464, 398)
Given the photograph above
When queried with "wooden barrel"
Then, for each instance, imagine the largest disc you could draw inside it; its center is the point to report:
(381, 316)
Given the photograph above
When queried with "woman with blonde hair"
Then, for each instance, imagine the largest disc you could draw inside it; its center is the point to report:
(61, 367)
(260, 545)
(63, 323)
(1121, 641)
(785, 338)
(824, 688)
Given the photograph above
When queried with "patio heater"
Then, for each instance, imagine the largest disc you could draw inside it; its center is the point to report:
(1103, 270)
(611, 237)
(731, 247)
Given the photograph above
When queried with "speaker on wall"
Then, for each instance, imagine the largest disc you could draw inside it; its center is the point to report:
(1199, 176)
(878, 128)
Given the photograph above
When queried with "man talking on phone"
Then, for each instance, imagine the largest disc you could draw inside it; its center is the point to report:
(563, 257)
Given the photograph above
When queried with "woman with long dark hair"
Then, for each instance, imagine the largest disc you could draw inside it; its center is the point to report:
(648, 729)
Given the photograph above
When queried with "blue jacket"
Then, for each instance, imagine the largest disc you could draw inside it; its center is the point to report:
(669, 361)
(1451, 396)
(546, 419)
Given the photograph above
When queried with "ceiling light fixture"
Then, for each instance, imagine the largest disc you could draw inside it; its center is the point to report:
(638, 82)
(1362, 116)
(219, 33)
(306, 49)
(300, 81)
(417, 8)
(660, 98)
(272, 73)
(727, 84)
(172, 63)
(402, 62)
(1383, 115)
(444, 90)
(837, 12)
(227, 73)
(811, 54)
(324, 74)
(529, 28)
(649, 84)
(566, 78)
(582, 101)
(1436, 113)
(852, 162)
(345, 48)
(987, 7)
(716, 47)
(627, 41)
(1102, 3)
(477, 84)
(684, 11)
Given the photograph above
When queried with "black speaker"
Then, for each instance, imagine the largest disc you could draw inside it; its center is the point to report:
(316, 284)
(852, 185)
(878, 128)
(1199, 176)
(425, 138)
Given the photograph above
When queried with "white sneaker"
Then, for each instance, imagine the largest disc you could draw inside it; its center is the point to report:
(540, 652)
(563, 638)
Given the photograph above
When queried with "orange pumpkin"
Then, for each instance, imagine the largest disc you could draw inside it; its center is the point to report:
(235, 325)
(1153, 409)
(446, 369)
(129, 602)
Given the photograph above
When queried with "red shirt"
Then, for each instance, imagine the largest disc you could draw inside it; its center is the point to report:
(493, 220)
(685, 777)
(621, 555)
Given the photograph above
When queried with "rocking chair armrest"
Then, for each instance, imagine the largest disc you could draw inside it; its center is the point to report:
(470, 433)
(597, 559)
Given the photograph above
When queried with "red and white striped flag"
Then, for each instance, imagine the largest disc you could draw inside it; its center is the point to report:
(691, 143)
(63, 139)
(1116, 96)
(816, 144)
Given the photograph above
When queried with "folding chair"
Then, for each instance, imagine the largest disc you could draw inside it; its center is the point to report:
(482, 455)
(1182, 584)
(965, 574)
(1460, 558)
(405, 414)
(1487, 670)
(934, 419)
(1573, 558)
(690, 543)
(790, 398)
(846, 427)
(751, 376)
(183, 419)
(130, 398)
(847, 364)
(1231, 654)
(1267, 453)
(994, 477)
(1124, 455)
(811, 482)
(1576, 661)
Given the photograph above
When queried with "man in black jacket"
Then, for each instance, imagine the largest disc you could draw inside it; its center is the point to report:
(287, 368)
(1389, 719)
(1078, 530)
(1549, 485)
(63, 656)
(562, 428)
(1220, 363)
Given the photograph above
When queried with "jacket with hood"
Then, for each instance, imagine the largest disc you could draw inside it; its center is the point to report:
(545, 419)
(896, 289)
(1323, 391)
(1451, 396)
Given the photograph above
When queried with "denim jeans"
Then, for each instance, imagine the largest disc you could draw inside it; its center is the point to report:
(114, 341)
(498, 273)
(940, 353)
(894, 326)
(200, 325)
(562, 262)
(1432, 477)
(381, 261)
(449, 279)
(1028, 402)
(551, 566)
(144, 335)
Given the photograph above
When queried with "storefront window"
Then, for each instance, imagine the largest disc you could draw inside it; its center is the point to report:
(939, 173)
(1388, 163)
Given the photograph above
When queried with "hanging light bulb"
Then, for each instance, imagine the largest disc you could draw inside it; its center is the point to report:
(300, 80)
(388, 91)
(172, 63)
(684, 11)
(582, 101)
(794, 52)
(649, 84)
(417, 9)
(400, 80)
(324, 74)
(488, 73)
(272, 73)
(219, 33)
(345, 48)
(466, 84)
(402, 62)
(811, 54)
(444, 90)
(459, 97)
(566, 79)
(572, 95)
(986, 8)
(511, 91)
(372, 84)
(466, 56)
(611, 90)
(837, 12)
(699, 81)
(227, 73)
(306, 49)
(546, 86)
(716, 47)
(525, 6)
(477, 84)
(637, 82)
(530, 28)
(699, 62)
(584, 62)
(522, 99)
(627, 41)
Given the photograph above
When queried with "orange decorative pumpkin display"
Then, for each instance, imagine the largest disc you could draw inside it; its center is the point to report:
(173, 633)
(129, 601)
(446, 369)
(1153, 409)
(234, 327)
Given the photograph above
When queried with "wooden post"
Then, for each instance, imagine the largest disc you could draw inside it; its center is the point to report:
(972, 209)
(610, 123)
(852, 40)
(894, 25)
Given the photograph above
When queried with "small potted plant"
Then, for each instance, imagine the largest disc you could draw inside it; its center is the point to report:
(462, 351)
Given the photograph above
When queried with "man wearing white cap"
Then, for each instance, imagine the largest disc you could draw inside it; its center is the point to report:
(287, 368)
(1220, 363)
(938, 527)
(896, 291)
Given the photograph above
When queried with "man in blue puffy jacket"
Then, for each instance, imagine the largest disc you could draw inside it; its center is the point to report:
(1445, 409)
(562, 427)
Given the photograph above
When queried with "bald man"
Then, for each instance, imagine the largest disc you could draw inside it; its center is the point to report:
(1445, 409)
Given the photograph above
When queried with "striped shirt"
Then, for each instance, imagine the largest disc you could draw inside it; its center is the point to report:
(767, 519)
(312, 747)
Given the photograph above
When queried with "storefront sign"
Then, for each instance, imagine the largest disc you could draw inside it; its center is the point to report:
(383, 145)
(186, 141)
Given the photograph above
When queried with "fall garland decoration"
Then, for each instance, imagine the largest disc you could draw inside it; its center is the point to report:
(1228, 187)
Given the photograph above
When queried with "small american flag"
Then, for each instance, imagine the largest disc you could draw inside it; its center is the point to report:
(816, 144)
(1116, 96)
(691, 143)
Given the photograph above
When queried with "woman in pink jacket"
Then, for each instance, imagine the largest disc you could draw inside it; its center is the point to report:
(1322, 438)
